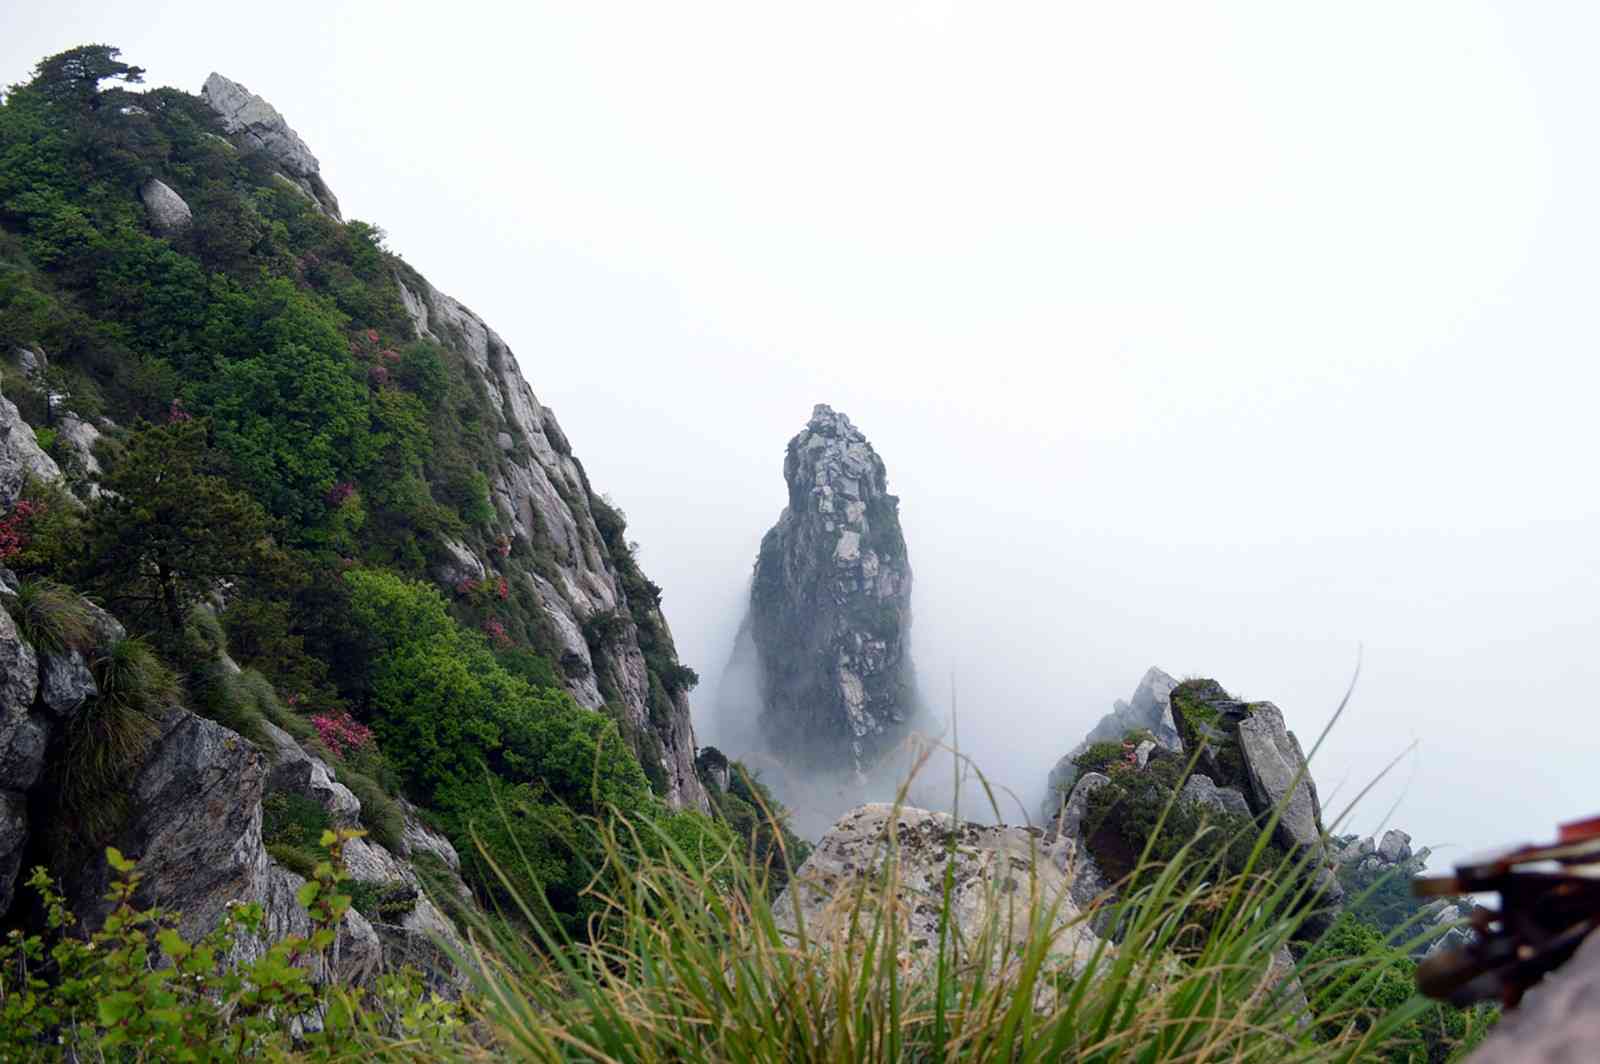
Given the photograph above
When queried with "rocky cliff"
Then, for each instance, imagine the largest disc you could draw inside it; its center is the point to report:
(829, 624)
(468, 480)
(595, 614)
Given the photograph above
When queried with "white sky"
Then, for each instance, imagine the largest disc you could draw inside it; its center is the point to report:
(1222, 337)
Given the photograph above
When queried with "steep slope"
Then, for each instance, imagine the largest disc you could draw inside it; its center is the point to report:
(598, 617)
(357, 575)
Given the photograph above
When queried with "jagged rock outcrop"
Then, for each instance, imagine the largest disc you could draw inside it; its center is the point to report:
(253, 124)
(830, 609)
(1000, 872)
(541, 490)
(21, 456)
(1247, 763)
(168, 212)
(1148, 710)
(1246, 745)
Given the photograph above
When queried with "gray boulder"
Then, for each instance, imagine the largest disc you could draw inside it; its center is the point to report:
(65, 682)
(997, 870)
(1395, 847)
(1201, 789)
(13, 837)
(253, 124)
(1278, 775)
(168, 213)
(21, 456)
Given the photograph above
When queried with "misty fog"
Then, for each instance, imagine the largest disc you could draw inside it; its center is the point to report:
(1244, 341)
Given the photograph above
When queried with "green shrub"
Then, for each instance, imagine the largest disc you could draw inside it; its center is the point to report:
(297, 859)
(386, 903)
(51, 617)
(292, 819)
(1100, 757)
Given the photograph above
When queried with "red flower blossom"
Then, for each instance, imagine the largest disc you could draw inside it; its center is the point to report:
(372, 334)
(504, 590)
(340, 493)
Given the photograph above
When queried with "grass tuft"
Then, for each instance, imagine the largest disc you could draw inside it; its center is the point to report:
(110, 735)
(52, 617)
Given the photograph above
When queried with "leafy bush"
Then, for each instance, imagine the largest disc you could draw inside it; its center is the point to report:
(67, 996)
(52, 617)
(386, 903)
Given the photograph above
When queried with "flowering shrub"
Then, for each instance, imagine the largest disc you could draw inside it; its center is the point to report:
(497, 633)
(503, 590)
(341, 733)
(378, 375)
(176, 413)
(340, 493)
(372, 335)
(13, 528)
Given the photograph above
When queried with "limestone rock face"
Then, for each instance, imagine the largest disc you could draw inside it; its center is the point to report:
(20, 456)
(830, 607)
(541, 489)
(1000, 872)
(253, 124)
(13, 836)
(1149, 709)
(168, 212)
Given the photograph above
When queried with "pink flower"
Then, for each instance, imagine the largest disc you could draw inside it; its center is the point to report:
(340, 493)
(496, 632)
(504, 590)
(340, 733)
(372, 334)
(176, 413)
